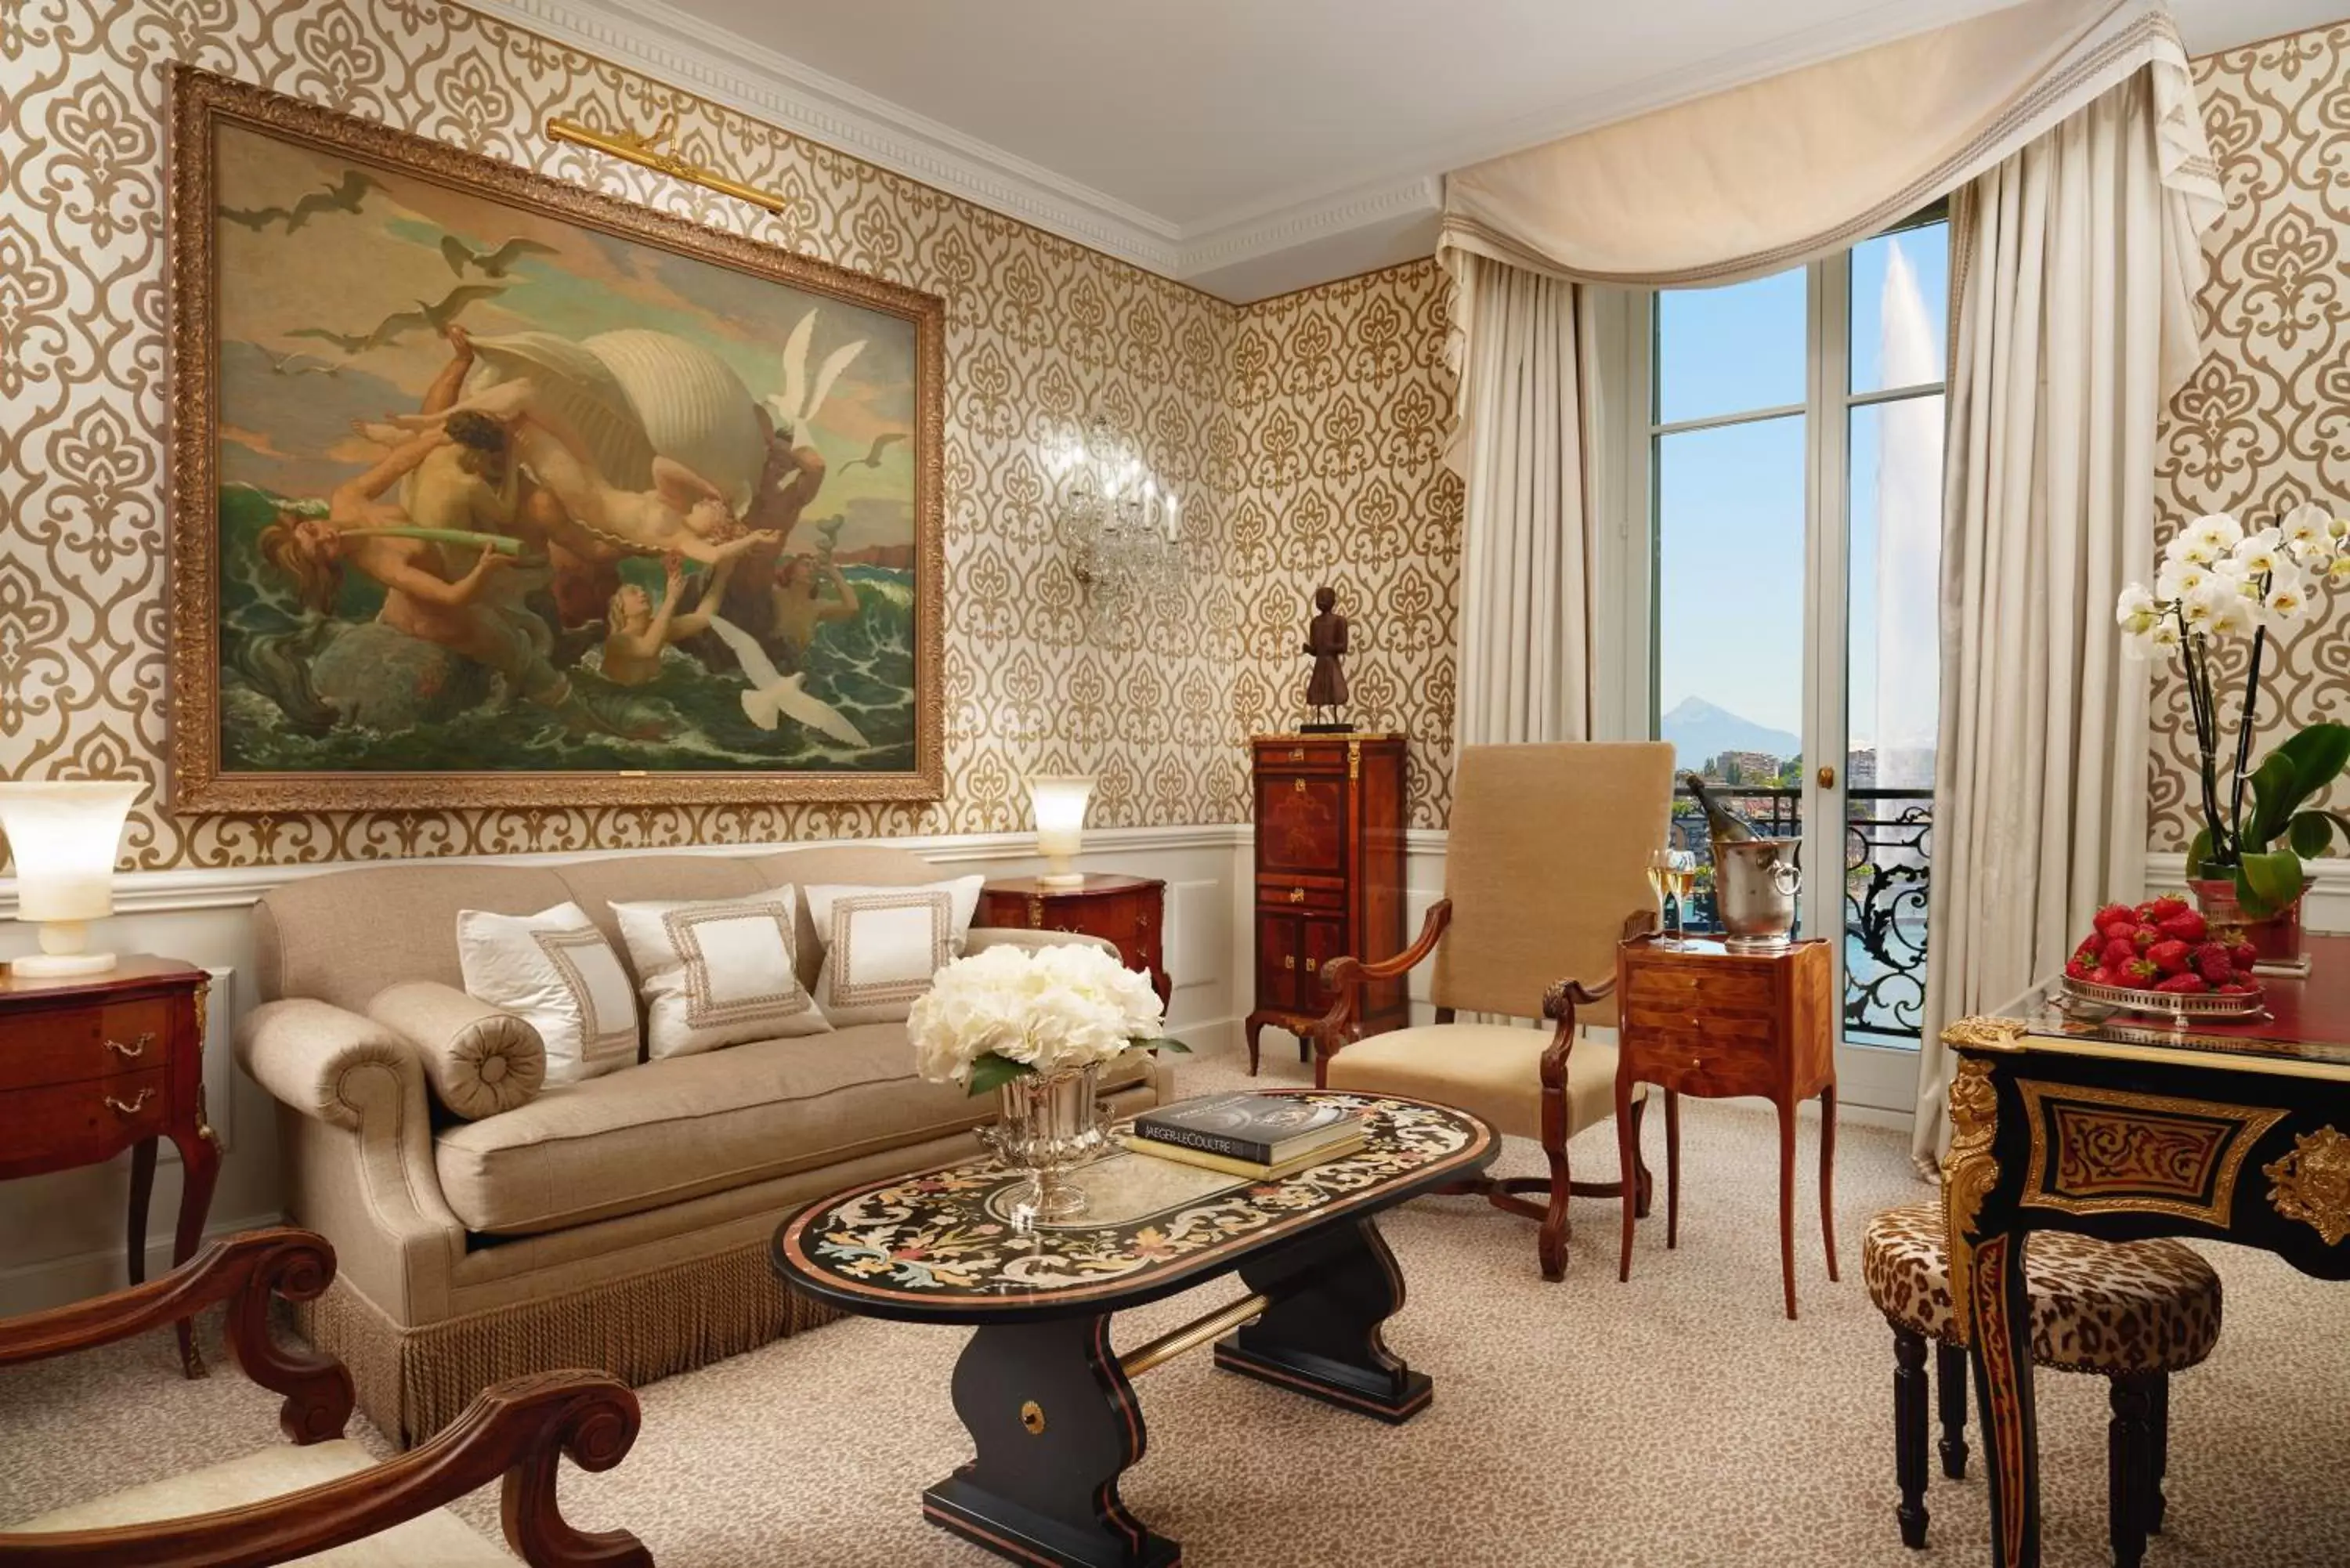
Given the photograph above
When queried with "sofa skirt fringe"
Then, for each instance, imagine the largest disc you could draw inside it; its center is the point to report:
(411, 1382)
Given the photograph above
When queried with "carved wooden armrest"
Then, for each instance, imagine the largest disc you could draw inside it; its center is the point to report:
(1559, 1003)
(1345, 978)
(1562, 997)
(519, 1428)
(245, 1271)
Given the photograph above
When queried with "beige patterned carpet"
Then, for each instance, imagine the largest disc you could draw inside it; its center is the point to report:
(1679, 1419)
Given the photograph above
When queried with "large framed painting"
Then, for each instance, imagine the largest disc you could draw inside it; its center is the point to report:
(491, 491)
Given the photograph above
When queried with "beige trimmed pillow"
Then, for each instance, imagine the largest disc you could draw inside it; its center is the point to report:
(882, 945)
(481, 1059)
(557, 969)
(718, 971)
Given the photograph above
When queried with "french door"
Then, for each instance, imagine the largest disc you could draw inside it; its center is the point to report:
(1793, 454)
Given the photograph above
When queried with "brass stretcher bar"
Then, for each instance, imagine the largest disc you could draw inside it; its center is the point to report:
(1190, 1336)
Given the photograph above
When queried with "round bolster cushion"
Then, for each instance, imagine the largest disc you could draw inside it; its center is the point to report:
(480, 1059)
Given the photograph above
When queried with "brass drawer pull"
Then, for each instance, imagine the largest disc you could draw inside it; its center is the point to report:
(1297, 785)
(135, 1049)
(1297, 895)
(1309, 966)
(1297, 754)
(134, 1108)
(1289, 960)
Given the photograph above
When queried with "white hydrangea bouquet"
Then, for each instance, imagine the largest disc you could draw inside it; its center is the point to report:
(2217, 584)
(1007, 1013)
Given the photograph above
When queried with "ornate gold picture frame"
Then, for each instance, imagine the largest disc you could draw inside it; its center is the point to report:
(488, 490)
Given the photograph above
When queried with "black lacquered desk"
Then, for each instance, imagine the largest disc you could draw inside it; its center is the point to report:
(2127, 1128)
(1049, 1406)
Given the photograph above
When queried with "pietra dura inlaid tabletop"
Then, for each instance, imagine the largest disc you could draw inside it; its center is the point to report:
(936, 1246)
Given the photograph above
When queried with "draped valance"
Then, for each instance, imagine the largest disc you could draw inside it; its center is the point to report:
(1749, 181)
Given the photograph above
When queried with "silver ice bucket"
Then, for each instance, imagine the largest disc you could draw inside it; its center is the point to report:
(1754, 888)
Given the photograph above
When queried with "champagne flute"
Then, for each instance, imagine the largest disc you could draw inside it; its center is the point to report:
(1672, 873)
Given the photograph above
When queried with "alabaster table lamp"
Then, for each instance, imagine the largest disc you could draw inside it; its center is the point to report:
(1059, 802)
(65, 837)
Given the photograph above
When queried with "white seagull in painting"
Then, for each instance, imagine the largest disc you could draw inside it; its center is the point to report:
(796, 404)
(770, 695)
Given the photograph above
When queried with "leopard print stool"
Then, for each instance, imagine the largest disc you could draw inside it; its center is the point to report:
(2133, 1312)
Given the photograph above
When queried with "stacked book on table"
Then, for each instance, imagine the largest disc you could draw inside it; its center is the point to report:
(1262, 1136)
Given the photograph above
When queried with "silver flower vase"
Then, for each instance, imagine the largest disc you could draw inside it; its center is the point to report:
(1049, 1126)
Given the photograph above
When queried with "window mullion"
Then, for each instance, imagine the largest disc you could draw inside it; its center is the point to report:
(1826, 631)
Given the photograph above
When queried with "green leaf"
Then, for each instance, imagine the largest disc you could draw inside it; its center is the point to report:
(2199, 852)
(992, 1072)
(2312, 831)
(2309, 834)
(2275, 796)
(2268, 883)
(1165, 1042)
(2319, 754)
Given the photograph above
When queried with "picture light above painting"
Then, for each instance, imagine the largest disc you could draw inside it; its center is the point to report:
(489, 489)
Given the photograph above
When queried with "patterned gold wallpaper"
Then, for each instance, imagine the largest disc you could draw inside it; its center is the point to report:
(2264, 423)
(1339, 399)
(1319, 409)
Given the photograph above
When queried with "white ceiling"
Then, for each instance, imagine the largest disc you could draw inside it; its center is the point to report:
(1246, 146)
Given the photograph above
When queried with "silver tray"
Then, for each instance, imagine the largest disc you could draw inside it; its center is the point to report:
(2164, 1003)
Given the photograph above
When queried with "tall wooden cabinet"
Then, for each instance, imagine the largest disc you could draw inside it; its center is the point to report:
(1329, 874)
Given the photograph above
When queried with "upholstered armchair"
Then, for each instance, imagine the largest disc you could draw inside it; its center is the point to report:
(1546, 871)
(322, 1499)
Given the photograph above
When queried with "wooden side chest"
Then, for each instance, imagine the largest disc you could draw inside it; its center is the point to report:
(91, 1065)
(1128, 912)
(1329, 874)
(1698, 1017)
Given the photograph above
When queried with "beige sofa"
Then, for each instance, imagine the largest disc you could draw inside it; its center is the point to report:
(623, 1222)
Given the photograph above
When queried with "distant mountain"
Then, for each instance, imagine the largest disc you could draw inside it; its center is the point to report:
(1698, 729)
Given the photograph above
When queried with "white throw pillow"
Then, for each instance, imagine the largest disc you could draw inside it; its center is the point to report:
(556, 969)
(718, 971)
(882, 945)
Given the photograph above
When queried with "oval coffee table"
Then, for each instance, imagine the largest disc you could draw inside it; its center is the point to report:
(1048, 1404)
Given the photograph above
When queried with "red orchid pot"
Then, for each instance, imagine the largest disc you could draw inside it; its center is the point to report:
(2276, 939)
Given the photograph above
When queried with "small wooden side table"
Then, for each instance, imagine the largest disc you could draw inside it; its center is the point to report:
(94, 1064)
(1128, 912)
(1701, 1018)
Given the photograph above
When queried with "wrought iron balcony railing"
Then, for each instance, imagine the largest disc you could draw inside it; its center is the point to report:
(1888, 859)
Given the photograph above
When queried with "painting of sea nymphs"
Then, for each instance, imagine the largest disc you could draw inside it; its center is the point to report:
(491, 491)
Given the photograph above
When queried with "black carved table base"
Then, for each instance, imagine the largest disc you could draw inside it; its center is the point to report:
(1049, 1406)
(1320, 1336)
(1055, 1423)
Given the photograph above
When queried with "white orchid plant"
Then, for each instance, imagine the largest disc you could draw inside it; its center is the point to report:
(2218, 584)
(1007, 1011)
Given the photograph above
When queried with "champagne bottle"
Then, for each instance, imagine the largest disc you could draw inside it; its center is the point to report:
(1728, 826)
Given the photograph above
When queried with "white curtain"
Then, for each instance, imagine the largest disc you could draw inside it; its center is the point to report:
(2076, 263)
(1524, 559)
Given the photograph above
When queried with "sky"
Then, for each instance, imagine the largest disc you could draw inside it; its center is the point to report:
(288, 428)
(1731, 594)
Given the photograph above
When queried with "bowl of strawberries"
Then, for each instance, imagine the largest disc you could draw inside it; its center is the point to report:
(2162, 957)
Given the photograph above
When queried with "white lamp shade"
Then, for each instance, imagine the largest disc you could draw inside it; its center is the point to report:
(65, 837)
(1059, 802)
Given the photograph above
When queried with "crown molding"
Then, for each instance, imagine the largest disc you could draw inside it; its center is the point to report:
(668, 45)
(1294, 240)
(1284, 225)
